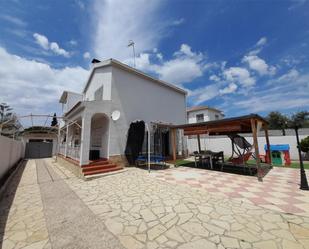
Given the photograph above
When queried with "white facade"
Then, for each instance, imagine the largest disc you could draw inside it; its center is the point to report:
(203, 114)
(115, 86)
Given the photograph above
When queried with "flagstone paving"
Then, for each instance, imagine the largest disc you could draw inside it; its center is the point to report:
(279, 190)
(142, 211)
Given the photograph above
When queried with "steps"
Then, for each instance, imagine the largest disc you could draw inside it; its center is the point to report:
(99, 167)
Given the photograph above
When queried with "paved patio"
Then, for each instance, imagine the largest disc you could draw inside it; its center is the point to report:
(53, 209)
(279, 190)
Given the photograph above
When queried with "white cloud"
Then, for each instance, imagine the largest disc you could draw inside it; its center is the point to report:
(32, 86)
(259, 65)
(184, 67)
(214, 78)
(178, 22)
(86, 55)
(239, 75)
(73, 42)
(261, 42)
(118, 22)
(43, 41)
(203, 94)
(229, 89)
(14, 20)
(57, 50)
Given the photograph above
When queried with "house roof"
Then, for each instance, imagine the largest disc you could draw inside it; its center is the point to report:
(241, 124)
(118, 64)
(200, 108)
(64, 96)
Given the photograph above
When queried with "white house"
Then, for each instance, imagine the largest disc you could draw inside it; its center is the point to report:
(113, 87)
(198, 114)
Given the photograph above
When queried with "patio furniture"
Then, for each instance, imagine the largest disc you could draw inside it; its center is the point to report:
(154, 159)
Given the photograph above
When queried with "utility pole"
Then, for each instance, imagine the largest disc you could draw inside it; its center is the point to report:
(131, 44)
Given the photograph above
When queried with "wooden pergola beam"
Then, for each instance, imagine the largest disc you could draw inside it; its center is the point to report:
(256, 148)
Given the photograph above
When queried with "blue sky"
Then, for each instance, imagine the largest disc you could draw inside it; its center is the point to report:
(239, 56)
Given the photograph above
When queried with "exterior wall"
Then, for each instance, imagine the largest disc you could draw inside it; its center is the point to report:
(72, 99)
(11, 151)
(209, 115)
(223, 143)
(140, 99)
(101, 77)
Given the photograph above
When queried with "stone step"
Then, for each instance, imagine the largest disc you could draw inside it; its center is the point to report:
(100, 171)
(98, 166)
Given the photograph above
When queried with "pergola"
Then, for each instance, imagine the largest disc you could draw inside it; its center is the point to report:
(244, 124)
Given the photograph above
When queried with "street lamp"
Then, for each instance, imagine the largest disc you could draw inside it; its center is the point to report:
(131, 44)
(303, 178)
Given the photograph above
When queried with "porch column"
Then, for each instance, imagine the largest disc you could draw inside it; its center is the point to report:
(174, 144)
(85, 139)
(256, 148)
(268, 156)
(66, 141)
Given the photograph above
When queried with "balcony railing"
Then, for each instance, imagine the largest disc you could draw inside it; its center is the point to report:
(72, 152)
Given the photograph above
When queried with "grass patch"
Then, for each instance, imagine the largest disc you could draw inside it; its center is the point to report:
(181, 162)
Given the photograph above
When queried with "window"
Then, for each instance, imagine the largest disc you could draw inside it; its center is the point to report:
(217, 116)
(98, 94)
(199, 118)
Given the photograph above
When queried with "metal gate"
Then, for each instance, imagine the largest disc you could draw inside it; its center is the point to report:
(39, 149)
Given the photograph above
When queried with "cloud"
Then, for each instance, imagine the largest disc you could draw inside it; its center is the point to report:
(203, 94)
(36, 87)
(14, 20)
(261, 42)
(73, 42)
(86, 55)
(117, 23)
(183, 67)
(42, 41)
(229, 89)
(178, 22)
(240, 76)
(259, 65)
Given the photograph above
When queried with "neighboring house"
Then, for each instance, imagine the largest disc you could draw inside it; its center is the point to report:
(113, 86)
(198, 114)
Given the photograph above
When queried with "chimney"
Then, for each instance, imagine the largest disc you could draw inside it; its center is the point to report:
(94, 60)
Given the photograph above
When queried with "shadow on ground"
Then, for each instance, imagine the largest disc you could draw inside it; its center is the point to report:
(7, 197)
(228, 169)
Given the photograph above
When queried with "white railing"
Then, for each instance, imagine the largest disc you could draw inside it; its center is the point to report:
(73, 152)
(62, 149)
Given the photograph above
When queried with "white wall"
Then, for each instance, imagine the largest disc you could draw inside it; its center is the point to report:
(101, 77)
(209, 115)
(224, 144)
(72, 99)
(11, 151)
(140, 99)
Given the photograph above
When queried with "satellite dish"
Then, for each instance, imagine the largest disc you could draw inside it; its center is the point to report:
(115, 115)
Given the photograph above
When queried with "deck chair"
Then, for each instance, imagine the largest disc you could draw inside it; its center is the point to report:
(241, 150)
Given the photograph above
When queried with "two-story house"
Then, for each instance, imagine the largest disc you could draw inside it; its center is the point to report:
(114, 88)
(198, 114)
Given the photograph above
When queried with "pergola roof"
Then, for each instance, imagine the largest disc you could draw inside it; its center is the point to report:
(225, 126)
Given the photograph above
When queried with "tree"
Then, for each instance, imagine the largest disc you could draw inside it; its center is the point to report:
(304, 144)
(5, 112)
(54, 121)
(277, 121)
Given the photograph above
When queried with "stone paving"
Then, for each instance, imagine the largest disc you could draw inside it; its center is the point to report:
(22, 222)
(145, 212)
(279, 190)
